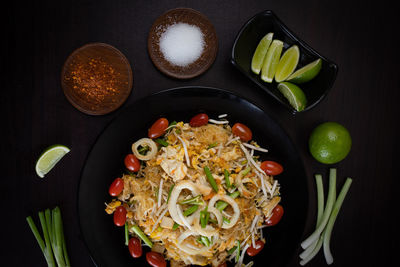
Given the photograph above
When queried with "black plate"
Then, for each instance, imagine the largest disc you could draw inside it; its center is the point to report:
(245, 45)
(105, 162)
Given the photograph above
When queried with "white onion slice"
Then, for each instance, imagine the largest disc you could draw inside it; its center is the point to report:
(230, 201)
(187, 248)
(172, 203)
(145, 142)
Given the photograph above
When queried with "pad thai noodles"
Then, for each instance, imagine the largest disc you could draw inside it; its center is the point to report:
(197, 193)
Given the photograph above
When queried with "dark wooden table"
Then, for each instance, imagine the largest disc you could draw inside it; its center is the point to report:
(360, 36)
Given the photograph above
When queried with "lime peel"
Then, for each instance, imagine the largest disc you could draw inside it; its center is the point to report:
(49, 158)
(296, 97)
(260, 52)
(287, 64)
(271, 61)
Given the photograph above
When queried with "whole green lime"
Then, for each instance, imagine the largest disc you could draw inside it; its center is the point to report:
(330, 142)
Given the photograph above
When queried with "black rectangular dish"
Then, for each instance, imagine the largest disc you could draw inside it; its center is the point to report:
(247, 40)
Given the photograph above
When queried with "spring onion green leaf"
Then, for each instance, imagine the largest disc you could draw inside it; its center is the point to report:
(211, 179)
(170, 191)
(141, 235)
(126, 234)
(227, 180)
(212, 145)
(332, 219)
(212, 220)
(162, 142)
(226, 220)
(245, 171)
(143, 149)
(232, 250)
(190, 210)
(221, 205)
(204, 217)
(175, 226)
(194, 201)
(39, 239)
(205, 241)
(54, 245)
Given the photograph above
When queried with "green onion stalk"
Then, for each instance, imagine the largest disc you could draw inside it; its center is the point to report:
(54, 245)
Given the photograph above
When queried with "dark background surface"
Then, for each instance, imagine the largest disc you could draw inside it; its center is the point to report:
(360, 36)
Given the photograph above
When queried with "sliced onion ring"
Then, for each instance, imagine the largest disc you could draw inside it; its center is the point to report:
(230, 201)
(145, 142)
(186, 248)
(172, 203)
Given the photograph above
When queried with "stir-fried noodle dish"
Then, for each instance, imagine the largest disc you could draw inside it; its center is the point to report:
(198, 192)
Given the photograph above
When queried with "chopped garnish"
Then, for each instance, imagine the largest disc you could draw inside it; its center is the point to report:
(194, 201)
(141, 235)
(190, 210)
(161, 142)
(211, 179)
(227, 181)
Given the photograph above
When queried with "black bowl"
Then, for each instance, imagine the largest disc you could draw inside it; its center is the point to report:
(105, 162)
(249, 37)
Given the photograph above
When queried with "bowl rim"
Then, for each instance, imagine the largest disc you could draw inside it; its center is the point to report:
(166, 71)
(121, 100)
(300, 41)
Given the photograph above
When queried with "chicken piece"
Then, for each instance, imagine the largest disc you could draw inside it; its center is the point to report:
(175, 169)
(233, 154)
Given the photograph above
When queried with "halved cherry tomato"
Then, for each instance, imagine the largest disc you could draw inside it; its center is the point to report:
(277, 214)
(158, 128)
(135, 247)
(120, 216)
(116, 187)
(155, 259)
(252, 251)
(242, 131)
(132, 163)
(271, 167)
(199, 120)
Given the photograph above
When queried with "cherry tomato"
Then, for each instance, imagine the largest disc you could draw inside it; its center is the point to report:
(116, 187)
(277, 214)
(135, 247)
(155, 259)
(120, 216)
(199, 120)
(223, 264)
(252, 251)
(132, 163)
(242, 131)
(271, 167)
(158, 128)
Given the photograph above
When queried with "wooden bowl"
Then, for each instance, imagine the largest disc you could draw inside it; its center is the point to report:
(96, 78)
(192, 17)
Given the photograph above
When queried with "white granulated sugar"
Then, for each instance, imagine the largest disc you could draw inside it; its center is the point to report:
(182, 44)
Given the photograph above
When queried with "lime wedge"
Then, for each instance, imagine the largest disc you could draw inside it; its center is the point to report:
(271, 61)
(261, 51)
(49, 159)
(296, 97)
(306, 73)
(287, 64)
